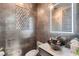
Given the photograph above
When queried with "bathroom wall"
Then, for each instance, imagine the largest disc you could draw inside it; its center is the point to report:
(28, 41)
(77, 17)
(11, 36)
(6, 11)
(2, 28)
(42, 23)
(12, 39)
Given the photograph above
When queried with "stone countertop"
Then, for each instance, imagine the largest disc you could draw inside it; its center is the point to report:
(2, 53)
(64, 52)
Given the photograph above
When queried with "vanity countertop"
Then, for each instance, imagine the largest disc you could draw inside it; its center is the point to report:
(64, 52)
(2, 53)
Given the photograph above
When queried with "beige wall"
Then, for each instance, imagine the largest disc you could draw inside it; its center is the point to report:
(42, 23)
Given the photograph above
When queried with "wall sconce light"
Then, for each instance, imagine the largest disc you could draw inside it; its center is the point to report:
(40, 11)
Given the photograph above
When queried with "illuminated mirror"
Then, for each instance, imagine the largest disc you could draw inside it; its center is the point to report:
(61, 20)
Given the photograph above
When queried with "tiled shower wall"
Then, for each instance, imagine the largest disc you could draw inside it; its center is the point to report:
(7, 12)
(11, 39)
